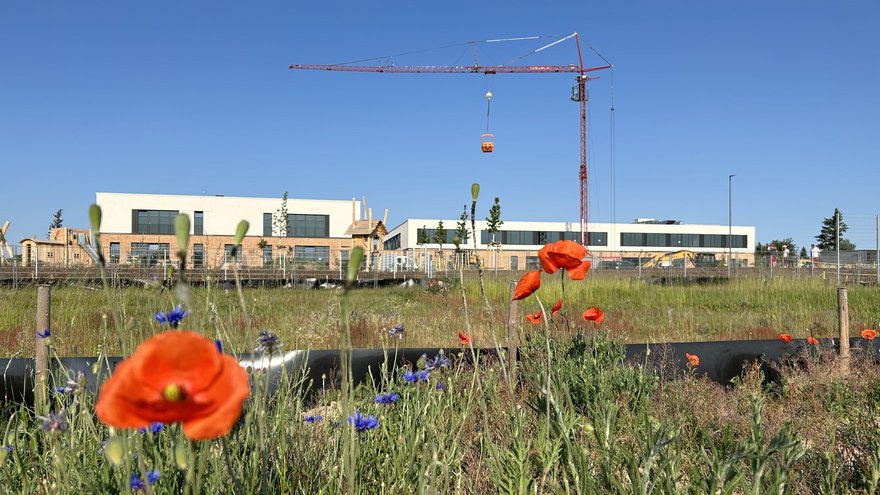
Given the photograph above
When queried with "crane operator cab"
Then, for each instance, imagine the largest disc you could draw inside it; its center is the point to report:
(487, 142)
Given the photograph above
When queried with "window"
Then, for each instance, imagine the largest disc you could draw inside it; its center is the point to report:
(198, 255)
(304, 225)
(314, 257)
(533, 263)
(680, 241)
(541, 237)
(450, 235)
(393, 243)
(267, 255)
(199, 223)
(114, 252)
(153, 221)
(149, 253)
(227, 253)
(514, 263)
(267, 225)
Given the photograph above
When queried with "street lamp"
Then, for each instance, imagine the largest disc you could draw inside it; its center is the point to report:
(729, 222)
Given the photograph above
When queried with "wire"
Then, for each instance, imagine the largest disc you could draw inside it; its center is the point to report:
(613, 160)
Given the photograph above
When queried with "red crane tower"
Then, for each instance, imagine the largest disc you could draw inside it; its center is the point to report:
(580, 97)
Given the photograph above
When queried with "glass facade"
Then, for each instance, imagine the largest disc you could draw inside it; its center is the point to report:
(304, 225)
(653, 239)
(267, 255)
(541, 237)
(450, 235)
(267, 225)
(149, 253)
(153, 221)
(114, 252)
(393, 243)
(198, 255)
(199, 223)
(317, 257)
(227, 253)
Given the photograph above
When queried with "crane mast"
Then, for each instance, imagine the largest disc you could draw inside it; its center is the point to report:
(578, 69)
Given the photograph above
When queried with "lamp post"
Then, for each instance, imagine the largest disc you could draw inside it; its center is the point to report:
(729, 223)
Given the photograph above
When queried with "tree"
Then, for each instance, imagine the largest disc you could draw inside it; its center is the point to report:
(803, 252)
(423, 236)
(56, 220)
(461, 230)
(827, 238)
(493, 221)
(439, 235)
(279, 219)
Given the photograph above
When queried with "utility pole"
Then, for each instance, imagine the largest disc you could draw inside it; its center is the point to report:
(730, 223)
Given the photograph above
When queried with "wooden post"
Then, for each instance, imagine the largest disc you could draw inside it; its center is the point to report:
(41, 361)
(511, 328)
(843, 326)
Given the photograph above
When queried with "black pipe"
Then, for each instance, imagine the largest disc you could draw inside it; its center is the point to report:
(720, 361)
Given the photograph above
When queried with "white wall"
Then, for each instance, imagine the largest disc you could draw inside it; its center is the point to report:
(222, 213)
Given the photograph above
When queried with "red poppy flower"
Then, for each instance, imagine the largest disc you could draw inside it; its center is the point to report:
(869, 334)
(785, 337)
(563, 254)
(580, 272)
(464, 339)
(530, 282)
(535, 318)
(556, 308)
(693, 359)
(595, 315)
(812, 340)
(176, 376)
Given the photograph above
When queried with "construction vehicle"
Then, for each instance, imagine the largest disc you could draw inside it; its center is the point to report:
(680, 258)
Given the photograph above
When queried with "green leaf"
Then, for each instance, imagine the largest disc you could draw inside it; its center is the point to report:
(95, 218)
(240, 231)
(181, 228)
(354, 263)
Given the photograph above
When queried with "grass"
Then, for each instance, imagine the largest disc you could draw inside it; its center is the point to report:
(747, 308)
(572, 419)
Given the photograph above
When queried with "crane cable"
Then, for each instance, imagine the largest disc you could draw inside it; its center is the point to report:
(488, 102)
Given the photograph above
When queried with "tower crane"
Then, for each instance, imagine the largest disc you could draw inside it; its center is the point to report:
(579, 94)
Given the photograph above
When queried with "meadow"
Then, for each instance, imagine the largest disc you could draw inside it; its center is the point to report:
(638, 311)
(570, 418)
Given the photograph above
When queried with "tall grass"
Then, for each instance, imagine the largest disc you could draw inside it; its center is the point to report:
(83, 318)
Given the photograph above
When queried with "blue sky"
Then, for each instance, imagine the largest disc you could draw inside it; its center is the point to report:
(193, 97)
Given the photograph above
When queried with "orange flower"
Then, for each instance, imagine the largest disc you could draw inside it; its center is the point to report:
(564, 254)
(869, 334)
(812, 340)
(535, 318)
(785, 337)
(175, 376)
(595, 315)
(693, 359)
(530, 282)
(464, 339)
(556, 308)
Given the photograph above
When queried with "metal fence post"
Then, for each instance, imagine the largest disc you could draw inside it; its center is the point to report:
(877, 257)
(837, 242)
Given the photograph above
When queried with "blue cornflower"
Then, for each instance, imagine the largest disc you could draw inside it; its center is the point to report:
(153, 476)
(54, 423)
(439, 361)
(411, 377)
(72, 385)
(137, 483)
(9, 449)
(396, 331)
(45, 334)
(423, 375)
(173, 317)
(153, 428)
(439, 386)
(361, 422)
(268, 342)
(219, 344)
(313, 419)
(387, 399)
